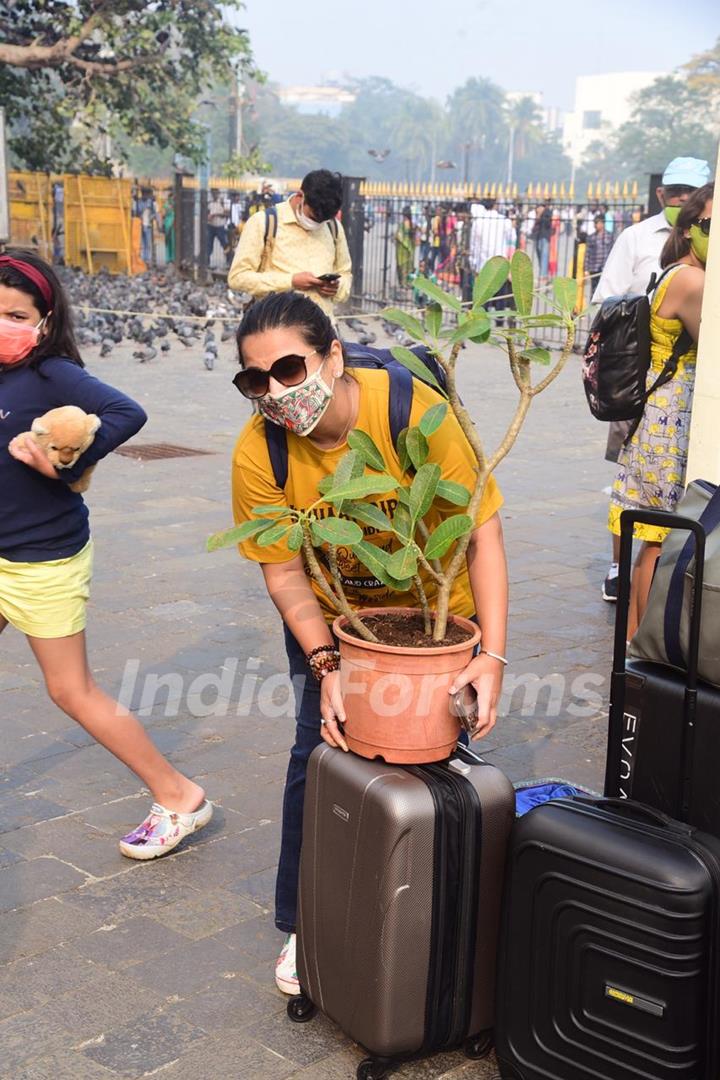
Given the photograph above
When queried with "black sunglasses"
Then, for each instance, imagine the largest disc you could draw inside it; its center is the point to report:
(703, 225)
(254, 382)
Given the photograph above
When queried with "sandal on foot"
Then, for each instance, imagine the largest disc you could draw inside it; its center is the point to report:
(162, 830)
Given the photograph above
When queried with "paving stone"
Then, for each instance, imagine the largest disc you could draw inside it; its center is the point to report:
(189, 967)
(208, 913)
(230, 1056)
(37, 979)
(129, 942)
(233, 1002)
(33, 930)
(301, 1043)
(64, 1065)
(139, 1049)
(78, 843)
(25, 882)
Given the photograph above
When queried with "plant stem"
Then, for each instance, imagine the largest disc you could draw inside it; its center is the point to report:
(340, 605)
(422, 597)
(425, 534)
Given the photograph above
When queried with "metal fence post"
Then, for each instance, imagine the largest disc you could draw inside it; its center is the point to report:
(353, 220)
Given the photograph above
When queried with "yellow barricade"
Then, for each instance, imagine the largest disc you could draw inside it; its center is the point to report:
(31, 212)
(97, 224)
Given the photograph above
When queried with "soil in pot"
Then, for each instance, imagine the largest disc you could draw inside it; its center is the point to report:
(407, 630)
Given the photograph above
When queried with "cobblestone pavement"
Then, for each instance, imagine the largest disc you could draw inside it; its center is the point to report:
(118, 969)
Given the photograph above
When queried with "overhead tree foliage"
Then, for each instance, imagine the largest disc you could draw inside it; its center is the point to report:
(670, 118)
(76, 74)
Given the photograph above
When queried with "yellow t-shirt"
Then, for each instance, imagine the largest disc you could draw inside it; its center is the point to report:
(253, 484)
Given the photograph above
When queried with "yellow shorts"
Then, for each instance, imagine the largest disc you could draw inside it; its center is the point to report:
(47, 599)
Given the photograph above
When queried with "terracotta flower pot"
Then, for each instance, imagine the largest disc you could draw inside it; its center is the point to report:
(396, 698)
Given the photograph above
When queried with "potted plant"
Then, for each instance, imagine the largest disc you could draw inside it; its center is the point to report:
(400, 661)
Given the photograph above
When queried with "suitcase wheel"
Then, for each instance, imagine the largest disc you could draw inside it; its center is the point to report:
(478, 1046)
(300, 1009)
(373, 1069)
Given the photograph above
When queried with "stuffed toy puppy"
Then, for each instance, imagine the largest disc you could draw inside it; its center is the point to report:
(64, 434)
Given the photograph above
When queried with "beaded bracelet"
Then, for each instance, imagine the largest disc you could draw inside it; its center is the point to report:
(318, 650)
(321, 665)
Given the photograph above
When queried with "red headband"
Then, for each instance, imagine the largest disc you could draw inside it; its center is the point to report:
(32, 274)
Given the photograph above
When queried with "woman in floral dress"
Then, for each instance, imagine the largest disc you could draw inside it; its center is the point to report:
(652, 465)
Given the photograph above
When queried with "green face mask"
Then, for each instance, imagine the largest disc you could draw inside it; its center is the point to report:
(699, 243)
(672, 213)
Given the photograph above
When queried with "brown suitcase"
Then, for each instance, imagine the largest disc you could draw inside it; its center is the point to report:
(400, 884)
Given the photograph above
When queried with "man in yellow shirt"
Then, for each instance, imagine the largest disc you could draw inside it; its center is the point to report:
(298, 245)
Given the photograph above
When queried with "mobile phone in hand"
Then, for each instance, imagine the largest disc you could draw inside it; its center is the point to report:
(330, 279)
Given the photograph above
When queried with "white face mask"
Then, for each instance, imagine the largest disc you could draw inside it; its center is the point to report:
(305, 222)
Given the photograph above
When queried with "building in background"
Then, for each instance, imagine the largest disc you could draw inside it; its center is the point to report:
(327, 100)
(602, 103)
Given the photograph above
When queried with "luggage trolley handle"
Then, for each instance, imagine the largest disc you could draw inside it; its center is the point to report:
(694, 546)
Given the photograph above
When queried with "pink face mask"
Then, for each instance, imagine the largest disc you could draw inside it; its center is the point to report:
(17, 340)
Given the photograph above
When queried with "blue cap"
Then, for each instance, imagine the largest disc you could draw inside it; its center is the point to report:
(687, 171)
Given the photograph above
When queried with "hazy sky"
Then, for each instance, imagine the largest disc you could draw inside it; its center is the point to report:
(432, 46)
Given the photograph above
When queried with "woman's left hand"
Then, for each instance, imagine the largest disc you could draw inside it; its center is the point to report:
(486, 675)
(28, 451)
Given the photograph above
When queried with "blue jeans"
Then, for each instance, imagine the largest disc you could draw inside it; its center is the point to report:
(307, 737)
(543, 254)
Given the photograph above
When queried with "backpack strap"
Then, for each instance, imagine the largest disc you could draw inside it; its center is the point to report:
(276, 438)
(271, 223)
(333, 227)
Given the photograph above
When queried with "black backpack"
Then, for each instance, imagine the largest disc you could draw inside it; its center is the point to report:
(400, 398)
(617, 357)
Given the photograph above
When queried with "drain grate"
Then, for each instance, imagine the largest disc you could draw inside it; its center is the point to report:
(158, 451)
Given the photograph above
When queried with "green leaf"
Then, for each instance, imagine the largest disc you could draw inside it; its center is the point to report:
(376, 560)
(417, 447)
(565, 291)
(408, 322)
(538, 356)
(268, 511)
(491, 277)
(325, 485)
(402, 522)
(433, 319)
(476, 328)
(453, 493)
(364, 445)
(272, 535)
(350, 466)
(437, 294)
(403, 455)
(403, 494)
(338, 531)
(361, 487)
(403, 563)
(442, 538)
(521, 270)
(423, 490)
(419, 370)
(236, 535)
(368, 514)
(295, 538)
(371, 557)
(433, 418)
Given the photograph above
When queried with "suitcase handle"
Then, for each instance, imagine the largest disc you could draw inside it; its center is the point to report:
(639, 811)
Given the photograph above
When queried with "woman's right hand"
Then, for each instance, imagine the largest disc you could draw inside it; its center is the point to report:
(332, 711)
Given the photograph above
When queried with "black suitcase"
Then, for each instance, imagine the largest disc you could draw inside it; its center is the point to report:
(401, 876)
(609, 965)
(668, 752)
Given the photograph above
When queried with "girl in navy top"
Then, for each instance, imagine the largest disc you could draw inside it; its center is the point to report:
(45, 544)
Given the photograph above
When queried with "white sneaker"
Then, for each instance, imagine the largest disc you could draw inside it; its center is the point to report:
(286, 968)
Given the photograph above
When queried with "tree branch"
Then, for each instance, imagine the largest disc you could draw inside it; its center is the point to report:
(340, 605)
